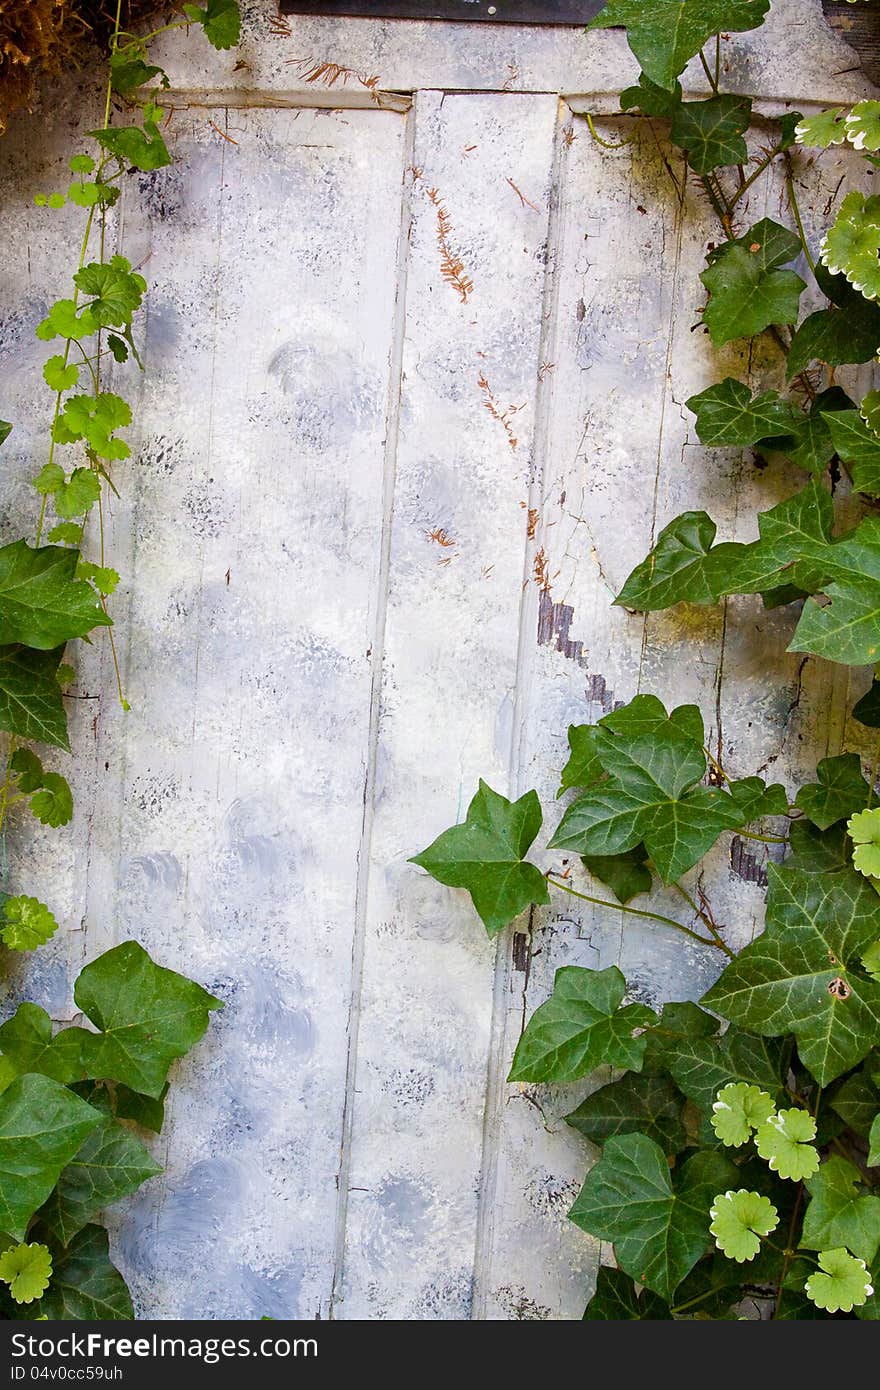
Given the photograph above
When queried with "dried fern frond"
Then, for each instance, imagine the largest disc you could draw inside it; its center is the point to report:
(451, 266)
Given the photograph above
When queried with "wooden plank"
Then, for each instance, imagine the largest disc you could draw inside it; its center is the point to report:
(228, 825)
(455, 584)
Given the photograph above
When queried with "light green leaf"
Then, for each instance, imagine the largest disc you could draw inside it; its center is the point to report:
(104, 579)
(27, 1270)
(27, 923)
(740, 1109)
(840, 790)
(42, 1124)
(128, 70)
(82, 163)
(58, 375)
(839, 1213)
(220, 19)
(827, 128)
(635, 1104)
(711, 131)
(844, 1285)
(748, 291)
(42, 605)
(657, 1221)
(78, 494)
(53, 803)
(784, 1142)
(864, 830)
(851, 244)
(28, 770)
(66, 533)
(110, 1165)
(117, 290)
(665, 34)
(31, 706)
(871, 960)
(485, 855)
(93, 419)
(581, 1026)
(66, 320)
(739, 1220)
(863, 125)
(86, 1286)
(798, 977)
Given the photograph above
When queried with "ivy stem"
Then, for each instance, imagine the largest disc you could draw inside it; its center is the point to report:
(607, 144)
(717, 939)
(712, 77)
(796, 212)
(640, 912)
(753, 177)
(764, 839)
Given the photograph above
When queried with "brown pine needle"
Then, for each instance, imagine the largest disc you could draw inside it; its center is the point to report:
(522, 197)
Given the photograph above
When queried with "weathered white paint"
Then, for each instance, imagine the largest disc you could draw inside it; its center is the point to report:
(330, 627)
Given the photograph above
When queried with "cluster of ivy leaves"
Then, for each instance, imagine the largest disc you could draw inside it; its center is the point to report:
(71, 1103)
(740, 1138)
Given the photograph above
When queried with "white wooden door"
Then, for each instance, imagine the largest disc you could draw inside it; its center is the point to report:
(370, 535)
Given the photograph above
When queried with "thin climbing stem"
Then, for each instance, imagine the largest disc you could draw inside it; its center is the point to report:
(717, 938)
(712, 77)
(796, 212)
(764, 839)
(640, 912)
(607, 144)
(753, 177)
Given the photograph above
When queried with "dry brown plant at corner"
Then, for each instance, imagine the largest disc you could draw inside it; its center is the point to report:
(331, 74)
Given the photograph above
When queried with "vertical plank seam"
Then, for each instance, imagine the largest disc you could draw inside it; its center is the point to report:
(389, 479)
(495, 1065)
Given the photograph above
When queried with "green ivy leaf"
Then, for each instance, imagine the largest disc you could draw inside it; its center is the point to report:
(27, 1270)
(702, 1067)
(843, 1285)
(816, 851)
(5, 431)
(85, 1286)
(27, 924)
(626, 874)
(864, 830)
(581, 1026)
(863, 125)
(657, 1221)
(129, 71)
(827, 128)
(858, 445)
(65, 320)
(740, 1109)
(58, 375)
(146, 1111)
(739, 1220)
(26, 1043)
(220, 19)
(31, 706)
(485, 855)
(784, 1141)
(850, 333)
(874, 1143)
(856, 1101)
(650, 99)
(839, 1213)
(851, 244)
(147, 1017)
(53, 803)
(748, 289)
(141, 148)
(728, 416)
(42, 1124)
(840, 790)
(42, 604)
(616, 1300)
(635, 1104)
(118, 290)
(679, 1024)
(665, 34)
(650, 797)
(798, 978)
(583, 766)
(845, 627)
(710, 132)
(110, 1165)
(93, 419)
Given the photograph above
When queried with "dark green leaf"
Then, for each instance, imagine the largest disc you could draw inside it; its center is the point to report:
(840, 790)
(581, 1026)
(678, 1023)
(701, 1067)
(839, 1213)
(85, 1285)
(53, 803)
(857, 1102)
(650, 99)
(626, 874)
(146, 1111)
(635, 1104)
(867, 709)
(485, 856)
(129, 71)
(221, 21)
(710, 132)
(110, 1164)
(658, 1222)
(5, 431)
(845, 626)
(837, 335)
(616, 1300)
(31, 706)
(42, 1124)
(748, 290)
(142, 148)
(803, 975)
(42, 604)
(858, 445)
(727, 414)
(583, 767)
(665, 34)
(816, 851)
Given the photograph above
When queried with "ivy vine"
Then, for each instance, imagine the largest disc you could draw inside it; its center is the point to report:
(741, 1143)
(72, 1103)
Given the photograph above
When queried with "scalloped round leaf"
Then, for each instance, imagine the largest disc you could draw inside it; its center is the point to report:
(850, 246)
(59, 375)
(871, 960)
(738, 1110)
(53, 803)
(739, 1220)
(27, 923)
(784, 1143)
(863, 125)
(27, 1270)
(843, 1284)
(864, 830)
(827, 128)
